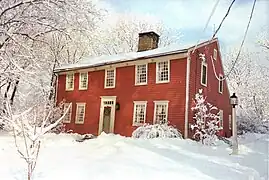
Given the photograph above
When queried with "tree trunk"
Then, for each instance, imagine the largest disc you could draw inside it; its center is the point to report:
(14, 91)
(8, 87)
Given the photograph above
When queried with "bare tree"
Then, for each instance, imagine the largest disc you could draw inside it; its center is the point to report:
(248, 79)
(121, 35)
(26, 30)
(29, 127)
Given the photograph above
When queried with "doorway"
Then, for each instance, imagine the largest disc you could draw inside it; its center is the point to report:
(107, 114)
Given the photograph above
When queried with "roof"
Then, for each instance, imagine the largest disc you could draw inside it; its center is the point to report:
(90, 62)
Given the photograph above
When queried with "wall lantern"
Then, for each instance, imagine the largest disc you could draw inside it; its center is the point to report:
(117, 106)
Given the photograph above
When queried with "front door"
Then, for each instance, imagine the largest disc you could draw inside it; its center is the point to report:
(107, 114)
(106, 119)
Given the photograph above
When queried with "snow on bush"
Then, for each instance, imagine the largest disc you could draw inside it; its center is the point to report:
(206, 122)
(246, 125)
(162, 130)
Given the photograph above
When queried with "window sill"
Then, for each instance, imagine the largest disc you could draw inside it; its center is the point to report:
(83, 89)
(79, 122)
(141, 84)
(109, 87)
(138, 124)
(69, 89)
(162, 82)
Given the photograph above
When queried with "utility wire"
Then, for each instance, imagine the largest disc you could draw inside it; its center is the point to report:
(243, 41)
(208, 20)
(227, 13)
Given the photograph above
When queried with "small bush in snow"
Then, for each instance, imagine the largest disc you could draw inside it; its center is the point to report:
(206, 124)
(247, 125)
(162, 130)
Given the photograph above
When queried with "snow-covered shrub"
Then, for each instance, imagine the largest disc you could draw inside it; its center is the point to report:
(206, 120)
(245, 125)
(162, 130)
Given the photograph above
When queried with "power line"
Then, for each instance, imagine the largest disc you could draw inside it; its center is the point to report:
(208, 20)
(243, 41)
(227, 13)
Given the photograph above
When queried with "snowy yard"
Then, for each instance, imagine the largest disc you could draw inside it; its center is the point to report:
(116, 157)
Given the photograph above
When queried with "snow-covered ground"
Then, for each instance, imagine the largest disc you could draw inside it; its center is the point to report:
(116, 157)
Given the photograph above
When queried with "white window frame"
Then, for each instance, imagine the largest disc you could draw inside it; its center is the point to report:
(221, 83)
(67, 80)
(80, 104)
(65, 120)
(114, 80)
(144, 103)
(155, 109)
(215, 54)
(221, 118)
(230, 121)
(136, 74)
(157, 72)
(80, 79)
(204, 64)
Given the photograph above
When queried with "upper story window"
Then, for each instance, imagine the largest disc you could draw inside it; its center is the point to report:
(110, 78)
(83, 80)
(69, 83)
(204, 73)
(162, 71)
(67, 118)
(221, 83)
(215, 54)
(221, 118)
(160, 112)
(80, 113)
(141, 72)
(139, 116)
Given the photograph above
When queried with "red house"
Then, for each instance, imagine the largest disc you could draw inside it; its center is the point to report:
(118, 93)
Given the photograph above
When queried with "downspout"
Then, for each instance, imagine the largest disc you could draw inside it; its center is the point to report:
(186, 128)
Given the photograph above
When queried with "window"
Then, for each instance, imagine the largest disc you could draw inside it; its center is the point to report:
(204, 74)
(220, 83)
(221, 118)
(139, 116)
(230, 122)
(215, 54)
(67, 118)
(160, 112)
(141, 74)
(69, 84)
(162, 71)
(83, 81)
(80, 114)
(110, 76)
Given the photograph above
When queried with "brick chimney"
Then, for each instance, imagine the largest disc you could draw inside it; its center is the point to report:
(147, 41)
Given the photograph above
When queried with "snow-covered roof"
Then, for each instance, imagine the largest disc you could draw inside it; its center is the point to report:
(89, 62)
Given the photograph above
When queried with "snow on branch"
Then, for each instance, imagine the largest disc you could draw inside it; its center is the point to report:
(28, 128)
(206, 120)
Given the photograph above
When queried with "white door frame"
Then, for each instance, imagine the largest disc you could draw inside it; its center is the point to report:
(112, 115)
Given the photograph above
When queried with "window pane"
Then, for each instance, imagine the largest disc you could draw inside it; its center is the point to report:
(110, 78)
(163, 71)
(204, 69)
(83, 80)
(141, 76)
(161, 113)
(69, 81)
(221, 84)
(140, 113)
(80, 113)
